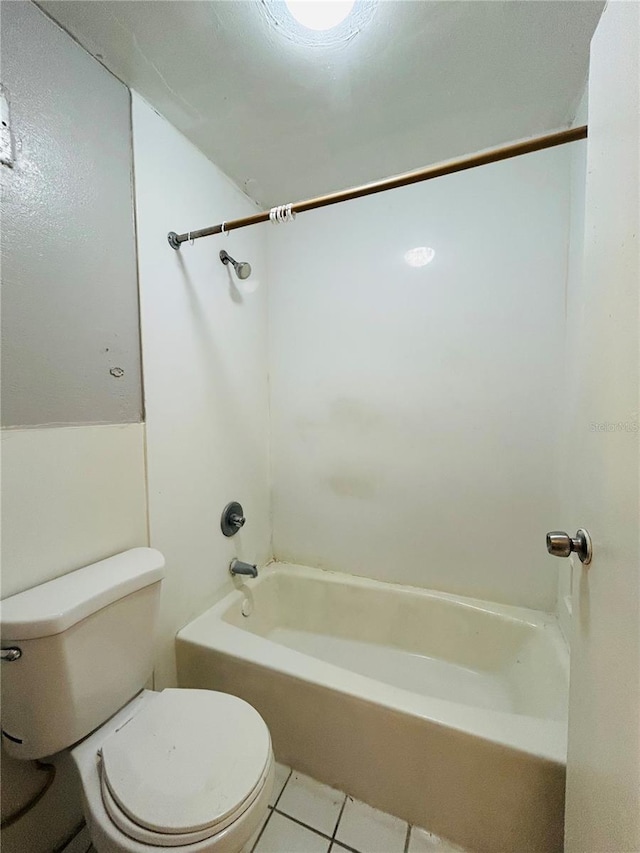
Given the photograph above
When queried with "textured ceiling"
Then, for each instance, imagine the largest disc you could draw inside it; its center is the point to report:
(288, 117)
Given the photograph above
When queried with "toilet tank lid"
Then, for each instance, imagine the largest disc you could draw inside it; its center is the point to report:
(56, 605)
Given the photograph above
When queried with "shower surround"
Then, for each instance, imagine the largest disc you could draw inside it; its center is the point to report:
(446, 711)
(414, 438)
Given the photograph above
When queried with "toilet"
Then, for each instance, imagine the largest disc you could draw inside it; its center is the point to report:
(181, 769)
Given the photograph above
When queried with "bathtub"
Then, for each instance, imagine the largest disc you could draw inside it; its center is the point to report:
(449, 712)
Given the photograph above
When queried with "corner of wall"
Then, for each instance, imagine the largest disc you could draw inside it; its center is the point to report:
(574, 276)
(581, 111)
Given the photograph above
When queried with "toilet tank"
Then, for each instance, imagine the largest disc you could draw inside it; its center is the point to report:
(86, 643)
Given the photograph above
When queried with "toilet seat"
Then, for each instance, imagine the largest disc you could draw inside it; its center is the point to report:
(185, 767)
(146, 836)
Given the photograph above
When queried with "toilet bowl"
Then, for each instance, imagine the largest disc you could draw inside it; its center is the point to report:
(181, 770)
(185, 770)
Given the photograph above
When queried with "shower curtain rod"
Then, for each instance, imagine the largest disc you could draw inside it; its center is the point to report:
(493, 155)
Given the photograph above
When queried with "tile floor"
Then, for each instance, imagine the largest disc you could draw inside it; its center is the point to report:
(306, 816)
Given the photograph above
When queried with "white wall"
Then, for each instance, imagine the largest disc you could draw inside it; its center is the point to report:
(603, 456)
(205, 378)
(71, 496)
(415, 411)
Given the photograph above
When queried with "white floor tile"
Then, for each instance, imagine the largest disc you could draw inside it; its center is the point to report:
(422, 841)
(282, 774)
(285, 836)
(369, 830)
(311, 802)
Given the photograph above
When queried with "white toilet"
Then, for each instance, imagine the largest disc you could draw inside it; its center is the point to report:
(182, 769)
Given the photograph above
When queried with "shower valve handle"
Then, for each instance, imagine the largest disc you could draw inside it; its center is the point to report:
(232, 518)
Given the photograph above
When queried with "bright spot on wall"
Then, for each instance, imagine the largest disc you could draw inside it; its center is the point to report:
(320, 15)
(420, 256)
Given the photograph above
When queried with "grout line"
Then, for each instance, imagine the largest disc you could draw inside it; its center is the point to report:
(283, 787)
(345, 846)
(271, 810)
(407, 839)
(264, 826)
(335, 829)
(306, 825)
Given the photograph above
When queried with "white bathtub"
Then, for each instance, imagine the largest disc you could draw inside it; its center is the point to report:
(445, 711)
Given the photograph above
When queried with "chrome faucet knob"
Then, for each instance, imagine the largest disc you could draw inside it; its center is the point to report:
(232, 518)
(560, 544)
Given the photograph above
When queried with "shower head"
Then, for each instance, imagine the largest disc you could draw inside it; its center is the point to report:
(242, 268)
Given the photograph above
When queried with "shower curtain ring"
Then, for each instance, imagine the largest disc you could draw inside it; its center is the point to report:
(280, 214)
(222, 231)
(190, 238)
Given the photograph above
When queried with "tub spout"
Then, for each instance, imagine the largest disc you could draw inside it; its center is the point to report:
(237, 567)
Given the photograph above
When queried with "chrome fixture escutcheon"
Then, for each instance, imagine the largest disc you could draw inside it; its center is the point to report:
(560, 544)
(232, 518)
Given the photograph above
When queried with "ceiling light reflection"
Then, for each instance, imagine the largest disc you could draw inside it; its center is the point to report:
(420, 256)
(320, 14)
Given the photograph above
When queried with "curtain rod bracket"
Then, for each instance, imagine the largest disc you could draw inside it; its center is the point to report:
(174, 242)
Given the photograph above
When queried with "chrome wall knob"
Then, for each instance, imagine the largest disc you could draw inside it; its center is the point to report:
(560, 544)
(232, 518)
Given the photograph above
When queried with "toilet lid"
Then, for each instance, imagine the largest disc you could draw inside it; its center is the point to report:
(187, 761)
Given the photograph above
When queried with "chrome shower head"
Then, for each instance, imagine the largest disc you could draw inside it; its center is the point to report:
(242, 268)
